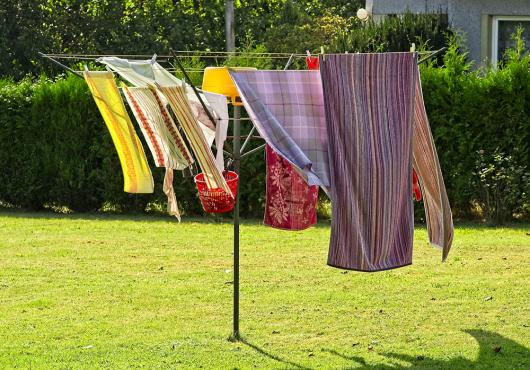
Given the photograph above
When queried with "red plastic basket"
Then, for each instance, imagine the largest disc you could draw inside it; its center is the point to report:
(217, 200)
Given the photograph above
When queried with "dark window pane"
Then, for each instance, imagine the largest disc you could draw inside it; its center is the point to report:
(506, 30)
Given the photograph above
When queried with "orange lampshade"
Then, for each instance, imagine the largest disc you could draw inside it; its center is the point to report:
(218, 80)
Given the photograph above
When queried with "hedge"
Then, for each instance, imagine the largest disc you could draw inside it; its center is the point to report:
(56, 150)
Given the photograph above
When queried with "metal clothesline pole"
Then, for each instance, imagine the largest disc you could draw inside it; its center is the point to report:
(236, 155)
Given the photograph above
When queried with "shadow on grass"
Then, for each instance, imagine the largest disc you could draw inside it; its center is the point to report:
(495, 352)
(273, 356)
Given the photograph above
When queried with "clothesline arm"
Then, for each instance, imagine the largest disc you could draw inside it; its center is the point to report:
(253, 150)
(210, 116)
(432, 55)
(78, 74)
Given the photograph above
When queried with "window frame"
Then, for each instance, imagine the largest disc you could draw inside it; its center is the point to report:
(495, 32)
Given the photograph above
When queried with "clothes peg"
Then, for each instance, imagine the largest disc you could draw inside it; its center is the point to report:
(322, 52)
(413, 48)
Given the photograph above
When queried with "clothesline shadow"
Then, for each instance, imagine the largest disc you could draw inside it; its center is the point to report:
(274, 357)
(495, 352)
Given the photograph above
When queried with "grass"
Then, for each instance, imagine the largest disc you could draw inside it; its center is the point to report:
(92, 291)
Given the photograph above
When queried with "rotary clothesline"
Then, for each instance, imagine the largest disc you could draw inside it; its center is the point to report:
(237, 152)
(176, 54)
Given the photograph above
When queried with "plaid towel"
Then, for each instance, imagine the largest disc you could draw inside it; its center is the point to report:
(136, 173)
(287, 109)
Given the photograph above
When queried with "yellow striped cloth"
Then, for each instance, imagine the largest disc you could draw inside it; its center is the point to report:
(136, 173)
(179, 103)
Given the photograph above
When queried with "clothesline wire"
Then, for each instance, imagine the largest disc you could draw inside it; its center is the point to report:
(191, 54)
(164, 58)
(196, 70)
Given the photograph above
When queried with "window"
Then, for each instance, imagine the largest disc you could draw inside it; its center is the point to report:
(503, 29)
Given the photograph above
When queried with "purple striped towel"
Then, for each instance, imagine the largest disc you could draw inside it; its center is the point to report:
(376, 121)
(369, 102)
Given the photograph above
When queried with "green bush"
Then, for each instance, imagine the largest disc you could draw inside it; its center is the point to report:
(502, 184)
(58, 152)
(480, 110)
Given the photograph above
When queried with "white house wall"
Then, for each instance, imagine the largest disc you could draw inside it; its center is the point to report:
(473, 17)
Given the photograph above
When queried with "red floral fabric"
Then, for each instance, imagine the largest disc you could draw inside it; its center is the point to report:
(291, 203)
(416, 186)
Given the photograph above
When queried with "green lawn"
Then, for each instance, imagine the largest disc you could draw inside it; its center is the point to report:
(91, 291)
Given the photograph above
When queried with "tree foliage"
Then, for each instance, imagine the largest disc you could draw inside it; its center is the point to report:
(135, 26)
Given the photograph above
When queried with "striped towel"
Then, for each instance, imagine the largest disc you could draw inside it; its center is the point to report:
(142, 73)
(287, 109)
(160, 132)
(162, 136)
(136, 173)
(291, 203)
(425, 159)
(369, 112)
(180, 105)
(374, 140)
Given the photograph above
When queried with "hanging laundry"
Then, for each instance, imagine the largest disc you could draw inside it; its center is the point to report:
(141, 73)
(291, 203)
(162, 136)
(179, 103)
(220, 106)
(136, 173)
(416, 186)
(311, 62)
(371, 144)
(370, 152)
(287, 109)
(438, 216)
(160, 132)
